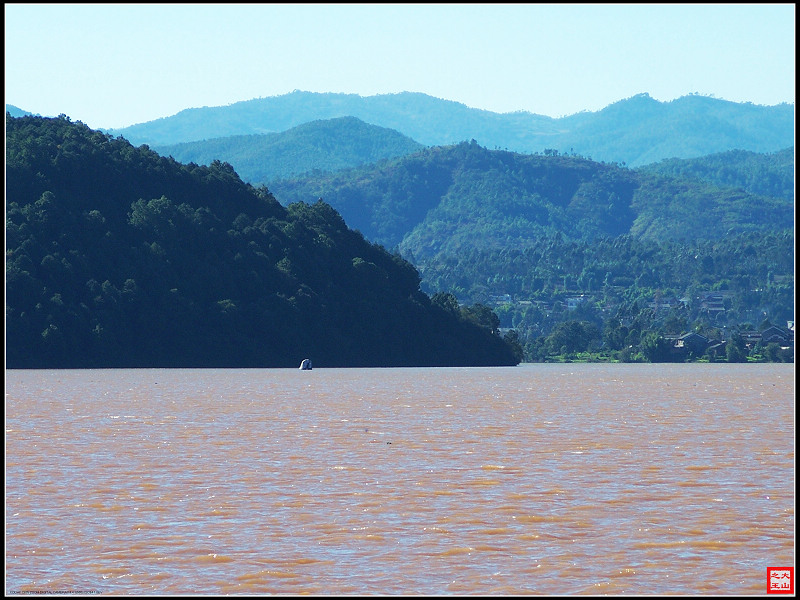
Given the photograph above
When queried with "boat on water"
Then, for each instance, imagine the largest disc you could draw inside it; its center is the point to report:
(305, 365)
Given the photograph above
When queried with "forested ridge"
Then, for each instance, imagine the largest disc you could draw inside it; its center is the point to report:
(118, 257)
(323, 145)
(527, 234)
(764, 174)
(442, 198)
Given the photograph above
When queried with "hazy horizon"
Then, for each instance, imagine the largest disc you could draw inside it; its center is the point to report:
(112, 66)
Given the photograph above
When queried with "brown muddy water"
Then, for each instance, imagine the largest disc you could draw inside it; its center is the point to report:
(536, 479)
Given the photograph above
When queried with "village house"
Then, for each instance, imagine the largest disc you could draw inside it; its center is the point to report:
(717, 349)
(665, 303)
(783, 336)
(714, 302)
(692, 343)
(572, 303)
(780, 335)
(500, 299)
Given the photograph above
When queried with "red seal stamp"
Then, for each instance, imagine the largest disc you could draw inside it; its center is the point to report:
(780, 580)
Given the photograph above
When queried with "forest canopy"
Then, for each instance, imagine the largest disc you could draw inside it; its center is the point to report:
(118, 257)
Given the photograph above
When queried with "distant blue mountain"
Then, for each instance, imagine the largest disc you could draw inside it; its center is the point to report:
(16, 112)
(636, 131)
(326, 145)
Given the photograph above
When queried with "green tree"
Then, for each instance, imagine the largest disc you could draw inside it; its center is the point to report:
(446, 301)
(655, 348)
(736, 350)
(614, 334)
(482, 315)
(773, 352)
(572, 336)
(513, 340)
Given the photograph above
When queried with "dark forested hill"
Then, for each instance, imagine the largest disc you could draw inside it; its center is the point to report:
(118, 257)
(769, 174)
(636, 131)
(325, 145)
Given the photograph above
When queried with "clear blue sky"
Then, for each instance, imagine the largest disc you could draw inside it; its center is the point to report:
(116, 65)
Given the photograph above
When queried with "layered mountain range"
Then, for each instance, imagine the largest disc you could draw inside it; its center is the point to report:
(634, 201)
(637, 130)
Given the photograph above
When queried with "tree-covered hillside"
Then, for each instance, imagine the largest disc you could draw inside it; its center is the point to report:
(441, 200)
(325, 145)
(118, 257)
(770, 174)
(529, 234)
(636, 131)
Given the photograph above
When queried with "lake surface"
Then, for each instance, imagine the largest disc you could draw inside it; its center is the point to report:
(536, 479)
